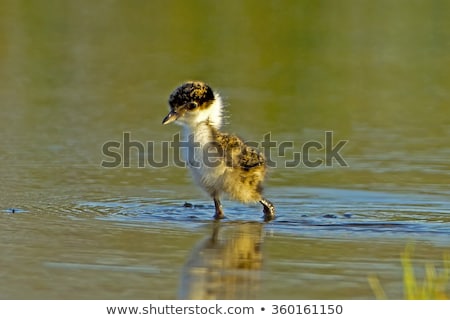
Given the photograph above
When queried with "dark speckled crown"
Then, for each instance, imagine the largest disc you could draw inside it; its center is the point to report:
(190, 91)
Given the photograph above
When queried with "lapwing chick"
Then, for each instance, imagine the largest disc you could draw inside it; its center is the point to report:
(221, 163)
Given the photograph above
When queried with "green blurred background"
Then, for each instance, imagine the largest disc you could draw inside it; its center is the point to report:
(77, 74)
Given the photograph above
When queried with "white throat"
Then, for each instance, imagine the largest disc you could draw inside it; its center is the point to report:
(212, 116)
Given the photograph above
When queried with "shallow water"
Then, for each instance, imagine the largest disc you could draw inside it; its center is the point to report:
(72, 79)
(326, 240)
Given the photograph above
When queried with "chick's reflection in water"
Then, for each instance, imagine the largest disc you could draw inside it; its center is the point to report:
(225, 265)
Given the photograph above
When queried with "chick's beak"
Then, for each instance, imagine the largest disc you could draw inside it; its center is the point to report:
(171, 117)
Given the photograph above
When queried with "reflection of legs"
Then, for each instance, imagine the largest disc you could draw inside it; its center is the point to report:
(219, 212)
(215, 233)
(268, 209)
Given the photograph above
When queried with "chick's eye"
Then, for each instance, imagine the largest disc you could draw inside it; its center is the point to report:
(192, 105)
